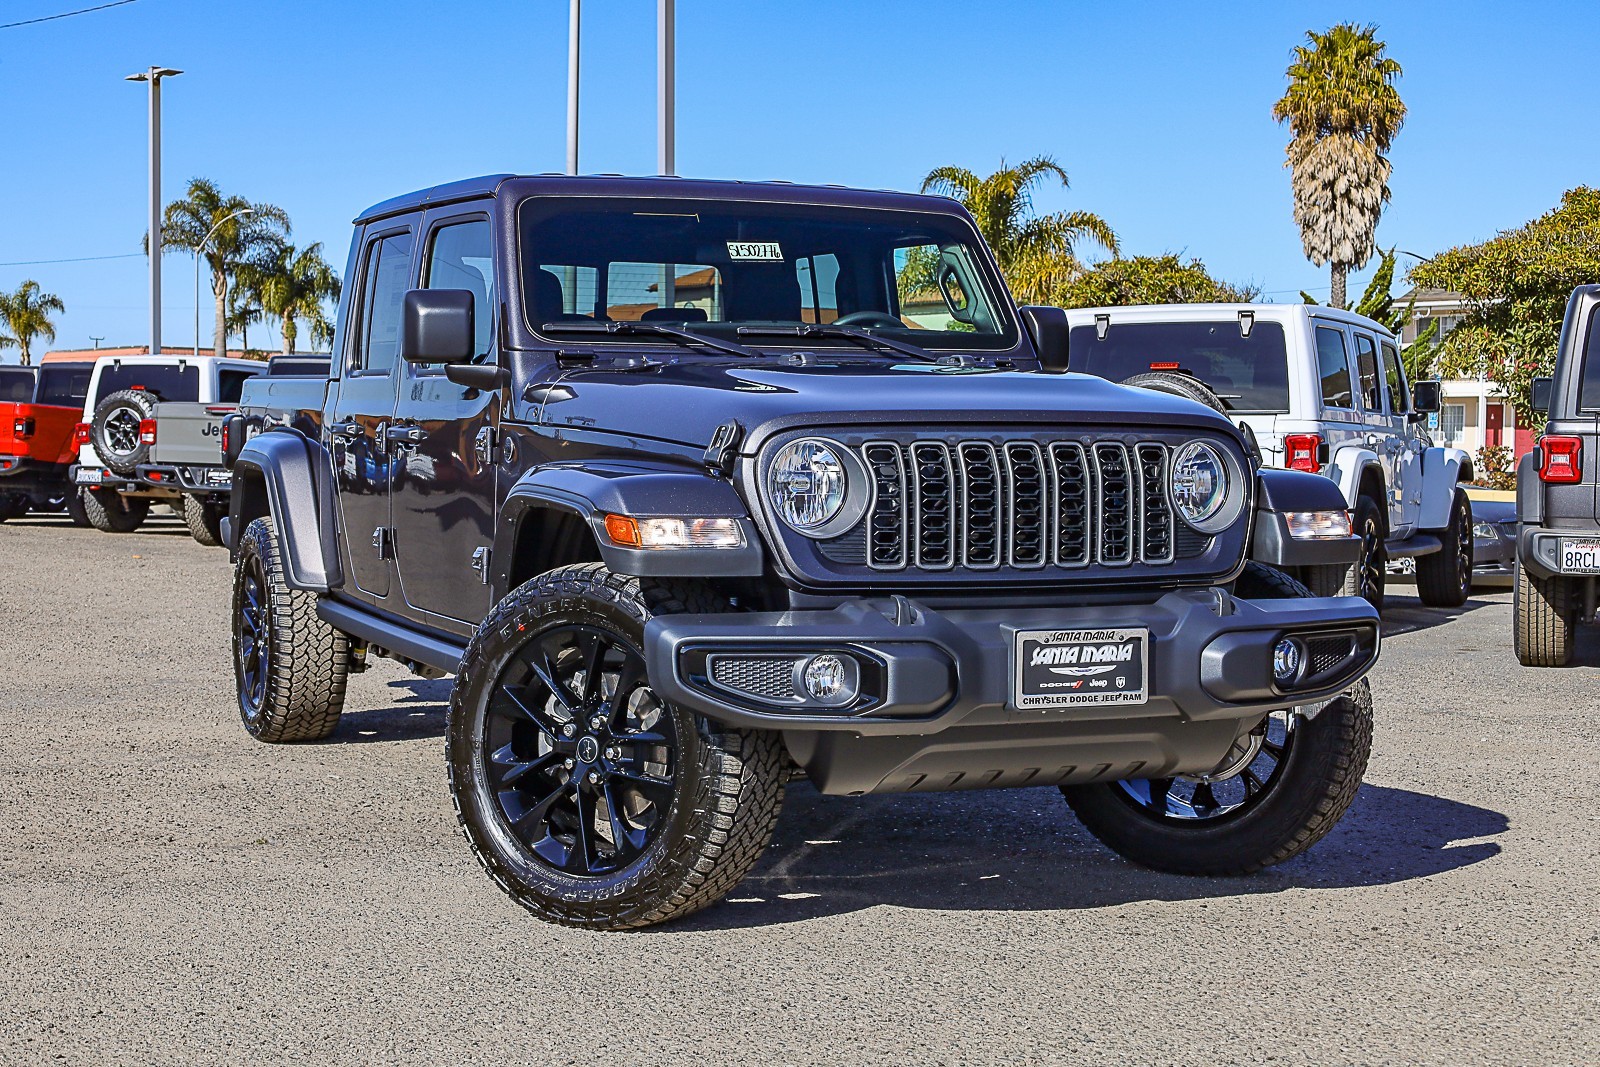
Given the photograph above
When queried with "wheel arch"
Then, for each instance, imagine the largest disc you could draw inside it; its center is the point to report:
(1359, 472)
(284, 475)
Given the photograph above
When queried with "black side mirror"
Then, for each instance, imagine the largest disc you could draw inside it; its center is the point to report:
(1048, 328)
(1425, 397)
(436, 326)
(1541, 394)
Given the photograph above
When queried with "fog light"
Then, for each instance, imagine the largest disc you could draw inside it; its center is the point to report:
(1285, 661)
(824, 677)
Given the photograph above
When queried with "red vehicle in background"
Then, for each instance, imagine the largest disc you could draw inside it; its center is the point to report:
(40, 408)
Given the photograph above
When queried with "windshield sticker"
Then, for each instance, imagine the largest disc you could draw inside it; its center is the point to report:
(760, 251)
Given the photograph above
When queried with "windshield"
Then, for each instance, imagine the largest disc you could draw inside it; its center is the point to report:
(64, 384)
(168, 381)
(717, 265)
(1251, 374)
(16, 385)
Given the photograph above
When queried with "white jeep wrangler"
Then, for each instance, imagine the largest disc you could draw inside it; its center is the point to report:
(1324, 391)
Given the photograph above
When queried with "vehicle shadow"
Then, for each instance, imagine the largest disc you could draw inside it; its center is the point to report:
(1404, 614)
(415, 708)
(1022, 850)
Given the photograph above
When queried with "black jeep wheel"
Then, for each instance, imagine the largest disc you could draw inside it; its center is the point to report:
(1444, 578)
(589, 799)
(114, 429)
(1281, 787)
(1544, 619)
(76, 510)
(204, 521)
(110, 512)
(1367, 578)
(290, 666)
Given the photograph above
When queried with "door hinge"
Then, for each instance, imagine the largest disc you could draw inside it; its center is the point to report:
(383, 542)
(483, 446)
(480, 563)
(724, 447)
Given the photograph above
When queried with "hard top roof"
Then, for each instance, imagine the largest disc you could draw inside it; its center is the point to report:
(1192, 312)
(661, 187)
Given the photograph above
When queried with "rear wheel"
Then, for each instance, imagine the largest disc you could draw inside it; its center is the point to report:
(75, 509)
(1544, 619)
(1444, 578)
(12, 506)
(1278, 791)
(110, 512)
(204, 521)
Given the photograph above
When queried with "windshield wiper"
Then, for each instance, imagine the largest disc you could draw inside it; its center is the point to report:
(847, 333)
(682, 334)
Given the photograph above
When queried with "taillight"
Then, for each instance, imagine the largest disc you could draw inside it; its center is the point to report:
(22, 427)
(147, 431)
(1560, 459)
(1302, 452)
(227, 435)
(80, 434)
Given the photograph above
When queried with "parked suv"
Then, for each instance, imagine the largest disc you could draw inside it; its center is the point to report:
(38, 409)
(1321, 390)
(151, 434)
(697, 486)
(1558, 505)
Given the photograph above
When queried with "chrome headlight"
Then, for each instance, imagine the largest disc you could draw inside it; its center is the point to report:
(1206, 489)
(817, 487)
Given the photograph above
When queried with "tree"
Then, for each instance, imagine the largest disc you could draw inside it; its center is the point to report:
(186, 222)
(26, 312)
(1037, 253)
(1377, 303)
(1343, 113)
(1150, 280)
(1516, 285)
(295, 286)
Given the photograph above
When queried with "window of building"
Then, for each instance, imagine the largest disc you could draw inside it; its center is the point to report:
(1333, 367)
(1452, 424)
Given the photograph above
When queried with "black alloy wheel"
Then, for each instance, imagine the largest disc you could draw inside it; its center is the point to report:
(254, 648)
(1371, 571)
(1244, 778)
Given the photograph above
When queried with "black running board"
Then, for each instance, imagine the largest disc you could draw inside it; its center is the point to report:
(394, 637)
(1416, 545)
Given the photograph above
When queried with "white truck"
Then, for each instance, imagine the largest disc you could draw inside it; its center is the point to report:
(1324, 391)
(150, 435)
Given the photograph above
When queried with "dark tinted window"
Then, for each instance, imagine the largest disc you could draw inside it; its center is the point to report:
(1333, 367)
(230, 384)
(388, 277)
(64, 384)
(167, 381)
(1589, 394)
(1399, 393)
(299, 367)
(16, 385)
(1367, 365)
(1251, 374)
(461, 256)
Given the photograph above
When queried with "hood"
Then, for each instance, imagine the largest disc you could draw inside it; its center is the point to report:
(684, 402)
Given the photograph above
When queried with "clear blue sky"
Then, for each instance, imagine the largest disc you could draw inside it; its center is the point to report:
(1160, 113)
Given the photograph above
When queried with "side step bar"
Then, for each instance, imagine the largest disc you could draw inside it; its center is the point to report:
(395, 637)
(1416, 545)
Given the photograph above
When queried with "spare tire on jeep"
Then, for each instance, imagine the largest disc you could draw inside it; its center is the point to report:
(114, 430)
(1184, 385)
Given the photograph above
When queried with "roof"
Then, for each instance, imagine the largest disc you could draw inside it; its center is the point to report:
(1191, 312)
(89, 355)
(657, 186)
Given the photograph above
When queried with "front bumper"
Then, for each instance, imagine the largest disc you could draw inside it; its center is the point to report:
(924, 671)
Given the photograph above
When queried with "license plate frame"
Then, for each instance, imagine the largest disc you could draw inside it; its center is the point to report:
(1580, 555)
(1054, 669)
(86, 476)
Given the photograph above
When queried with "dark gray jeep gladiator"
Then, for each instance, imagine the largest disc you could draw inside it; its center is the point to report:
(699, 488)
(1558, 497)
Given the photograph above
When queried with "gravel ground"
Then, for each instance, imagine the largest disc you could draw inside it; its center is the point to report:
(174, 892)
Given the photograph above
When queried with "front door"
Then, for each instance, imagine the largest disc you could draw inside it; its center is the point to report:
(445, 447)
(363, 411)
(1408, 432)
(1383, 436)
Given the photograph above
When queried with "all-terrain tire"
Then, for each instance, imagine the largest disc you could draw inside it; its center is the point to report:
(1369, 576)
(1328, 579)
(1444, 578)
(114, 429)
(1306, 798)
(1183, 385)
(290, 666)
(110, 512)
(76, 510)
(727, 783)
(204, 521)
(1544, 619)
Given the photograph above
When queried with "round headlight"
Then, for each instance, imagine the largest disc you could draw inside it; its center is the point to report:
(1201, 488)
(808, 483)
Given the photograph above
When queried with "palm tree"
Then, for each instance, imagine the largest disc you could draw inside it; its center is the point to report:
(27, 313)
(1037, 253)
(296, 285)
(186, 223)
(1343, 112)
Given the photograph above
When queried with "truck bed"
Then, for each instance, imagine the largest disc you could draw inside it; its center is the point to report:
(189, 433)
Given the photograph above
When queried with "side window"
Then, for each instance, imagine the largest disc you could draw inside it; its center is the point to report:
(230, 384)
(1333, 367)
(1399, 391)
(387, 279)
(1367, 366)
(461, 256)
(819, 287)
(1589, 388)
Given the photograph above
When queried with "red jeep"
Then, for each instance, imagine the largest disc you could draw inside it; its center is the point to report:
(39, 412)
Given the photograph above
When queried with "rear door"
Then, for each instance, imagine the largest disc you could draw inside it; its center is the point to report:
(443, 443)
(364, 407)
(1339, 420)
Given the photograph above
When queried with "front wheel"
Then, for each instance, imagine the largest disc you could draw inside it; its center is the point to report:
(1444, 578)
(1367, 578)
(588, 798)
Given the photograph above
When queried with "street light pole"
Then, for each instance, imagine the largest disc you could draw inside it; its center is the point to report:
(154, 76)
(666, 110)
(201, 248)
(572, 86)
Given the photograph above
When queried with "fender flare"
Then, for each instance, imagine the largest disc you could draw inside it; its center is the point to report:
(1280, 491)
(595, 490)
(277, 473)
(1348, 465)
(1442, 469)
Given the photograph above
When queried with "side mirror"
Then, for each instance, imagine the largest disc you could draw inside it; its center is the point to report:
(436, 326)
(1425, 397)
(1541, 394)
(1048, 328)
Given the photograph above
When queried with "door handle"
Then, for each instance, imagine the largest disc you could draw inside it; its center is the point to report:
(346, 430)
(407, 435)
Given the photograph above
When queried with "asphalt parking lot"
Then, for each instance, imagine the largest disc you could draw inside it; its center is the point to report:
(173, 891)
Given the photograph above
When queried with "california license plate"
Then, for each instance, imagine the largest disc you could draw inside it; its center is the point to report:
(1580, 557)
(1064, 668)
(88, 477)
